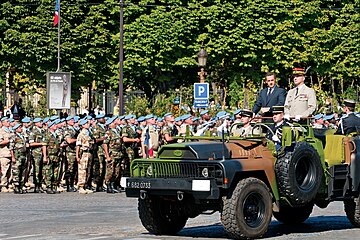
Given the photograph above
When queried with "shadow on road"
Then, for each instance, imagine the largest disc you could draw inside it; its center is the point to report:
(312, 225)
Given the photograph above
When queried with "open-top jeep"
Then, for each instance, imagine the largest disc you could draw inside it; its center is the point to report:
(247, 180)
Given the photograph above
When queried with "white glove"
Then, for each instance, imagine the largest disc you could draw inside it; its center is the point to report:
(287, 117)
(275, 138)
(297, 117)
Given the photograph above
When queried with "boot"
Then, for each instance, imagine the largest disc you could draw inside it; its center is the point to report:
(109, 188)
(18, 189)
(49, 190)
(113, 188)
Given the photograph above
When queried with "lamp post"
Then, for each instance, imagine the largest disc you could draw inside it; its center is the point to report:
(202, 57)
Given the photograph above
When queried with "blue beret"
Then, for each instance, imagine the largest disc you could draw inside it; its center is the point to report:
(57, 121)
(160, 119)
(16, 126)
(26, 120)
(46, 120)
(4, 118)
(52, 118)
(51, 123)
(318, 116)
(37, 120)
(62, 120)
(149, 116)
(237, 111)
(88, 117)
(69, 118)
(186, 116)
(178, 119)
(121, 117)
(110, 120)
(83, 121)
(221, 114)
(141, 119)
(196, 119)
(11, 120)
(127, 117)
(204, 112)
(100, 116)
(76, 118)
(328, 117)
(167, 114)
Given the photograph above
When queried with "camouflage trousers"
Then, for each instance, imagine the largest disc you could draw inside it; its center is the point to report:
(70, 167)
(84, 169)
(52, 171)
(99, 168)
(5, 171)
(112, 169)
(18, 168)
(38, 167)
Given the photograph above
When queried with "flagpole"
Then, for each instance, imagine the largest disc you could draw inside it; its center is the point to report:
(58, 62)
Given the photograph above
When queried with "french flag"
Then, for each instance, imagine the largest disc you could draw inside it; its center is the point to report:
(148, 144)
(56, 17)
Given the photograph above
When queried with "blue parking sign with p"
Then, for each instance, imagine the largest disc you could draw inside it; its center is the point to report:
(201, 90)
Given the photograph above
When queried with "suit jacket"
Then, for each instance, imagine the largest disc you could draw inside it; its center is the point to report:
(276, 98)
(348, 124)
(304, 103)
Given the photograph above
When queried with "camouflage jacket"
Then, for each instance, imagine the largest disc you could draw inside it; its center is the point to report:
(114, 142)
(85, 140)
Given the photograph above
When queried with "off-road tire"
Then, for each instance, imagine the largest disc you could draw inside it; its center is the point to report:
(299, 174)
(247, 212)
(293, 215)
(161, 217)
(352, 209)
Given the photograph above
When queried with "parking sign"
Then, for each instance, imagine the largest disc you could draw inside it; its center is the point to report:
(201, 90)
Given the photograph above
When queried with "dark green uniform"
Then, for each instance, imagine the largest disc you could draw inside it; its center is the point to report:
(18, 146)
(113, 166)
(37, 136)
(70, 163)
(99, 168)
(52, 166)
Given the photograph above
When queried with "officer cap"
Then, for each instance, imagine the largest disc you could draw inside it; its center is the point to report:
(349, 103)
(141, 119)
(167, 114)
(110, 120)
(204, 112)
(37, 120)
(69, 118)
(26, 120)
(16, 126)
(76, 118)
(46, 120)
(4, 118)
(83, 121)
(298, 71)
(149, 116)
(52, 118)
(329, 117)
(186, 116)
(237, 111)
(100, 116)
(318, 116)
(277, 109)
(247, 113)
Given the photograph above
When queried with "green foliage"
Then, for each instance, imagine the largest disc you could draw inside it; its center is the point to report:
(137, 105)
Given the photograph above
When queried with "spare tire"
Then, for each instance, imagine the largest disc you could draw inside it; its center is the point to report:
(299, 174)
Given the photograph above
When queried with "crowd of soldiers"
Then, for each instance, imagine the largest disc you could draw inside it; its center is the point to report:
(93, 153)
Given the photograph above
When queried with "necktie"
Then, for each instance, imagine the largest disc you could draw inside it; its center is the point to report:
(268, 94)
(297, 91)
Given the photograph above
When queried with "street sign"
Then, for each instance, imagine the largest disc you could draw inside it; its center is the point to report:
(58, 90)
(201, 103)
(201, 91)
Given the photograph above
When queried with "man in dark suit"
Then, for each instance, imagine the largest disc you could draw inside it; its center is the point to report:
(348, 123)
(269, 97)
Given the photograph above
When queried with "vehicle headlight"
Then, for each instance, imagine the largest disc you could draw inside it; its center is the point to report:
(149, 171)
(205, 172)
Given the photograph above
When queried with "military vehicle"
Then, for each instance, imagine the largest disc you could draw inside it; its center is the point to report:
(247, 180)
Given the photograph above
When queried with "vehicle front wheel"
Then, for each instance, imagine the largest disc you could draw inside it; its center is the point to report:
(247, 212)
(161, 217)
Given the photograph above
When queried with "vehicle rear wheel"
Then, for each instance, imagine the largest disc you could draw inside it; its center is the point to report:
(247, 213)
(299, 174)
(293, 215)
(161, 217)
(352, 209)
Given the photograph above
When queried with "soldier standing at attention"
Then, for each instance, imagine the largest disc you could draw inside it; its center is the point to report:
(246, 129)
(130, 140)
(168, 129)
(350, 122)
(301, 100)
(84, 149)
(38, 146)
(26, 132)
(112, 149)
(18, 156)
(5, 155)
(70, 135)
(98, 132)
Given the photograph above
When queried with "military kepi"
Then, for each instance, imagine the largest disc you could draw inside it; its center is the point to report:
(298, 71)
(277, 109)
(349, 103)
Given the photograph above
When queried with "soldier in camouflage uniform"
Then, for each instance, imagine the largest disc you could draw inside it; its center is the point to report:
(26, 132)
(98, 132)
(70, 135)
(5, 155)
(18, 154)
(84, 149)
(38, 146)
(130, 140)
(112, 147)
(52, 165)
(167, 131)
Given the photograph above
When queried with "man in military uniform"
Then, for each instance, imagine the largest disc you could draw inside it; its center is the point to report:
(38, 150)
(167, 131)
(151, 136)
(18, 147)
(130, 141)
(26, 132)
(112, 149)
(301, 100)
(70, 135)
(318, 121)
(246, 129)
(276, 129)
(5, 155)
(84, 150)
(350, 122)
